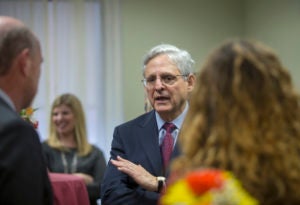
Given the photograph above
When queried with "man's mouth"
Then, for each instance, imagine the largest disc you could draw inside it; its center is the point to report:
(161, 98)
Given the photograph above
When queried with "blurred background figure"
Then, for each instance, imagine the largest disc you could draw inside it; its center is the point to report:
(244, 117)
(67, 149)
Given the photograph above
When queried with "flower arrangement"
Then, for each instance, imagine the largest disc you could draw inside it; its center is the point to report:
(207, 187)
(27, 115)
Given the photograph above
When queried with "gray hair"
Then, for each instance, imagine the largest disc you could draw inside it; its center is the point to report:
(181, 58)
(12, 42)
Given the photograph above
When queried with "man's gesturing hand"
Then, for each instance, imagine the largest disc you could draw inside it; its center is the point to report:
(137, 172)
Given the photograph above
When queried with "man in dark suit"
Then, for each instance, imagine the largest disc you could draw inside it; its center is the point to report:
(23, 172)
(141, 148)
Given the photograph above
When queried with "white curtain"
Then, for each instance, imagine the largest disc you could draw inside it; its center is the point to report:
(81, 47)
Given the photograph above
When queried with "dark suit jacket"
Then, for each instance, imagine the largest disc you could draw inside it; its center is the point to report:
(23, 173)
(137, 141)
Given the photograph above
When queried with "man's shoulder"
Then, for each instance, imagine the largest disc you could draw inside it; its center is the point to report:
(11, 120)
(140, 119)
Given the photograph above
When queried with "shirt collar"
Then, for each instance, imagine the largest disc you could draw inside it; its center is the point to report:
(6, 99)
(177, 121)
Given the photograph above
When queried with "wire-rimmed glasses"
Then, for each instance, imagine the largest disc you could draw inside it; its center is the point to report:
(166, 79)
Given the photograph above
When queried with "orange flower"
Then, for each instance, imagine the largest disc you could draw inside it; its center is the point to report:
(200, 182)
(27, 113)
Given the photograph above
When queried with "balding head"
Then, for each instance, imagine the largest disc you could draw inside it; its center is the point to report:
(14, 37)
(6, 21)
(20, 60)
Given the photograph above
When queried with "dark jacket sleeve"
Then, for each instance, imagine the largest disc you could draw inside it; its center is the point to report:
(118, 188)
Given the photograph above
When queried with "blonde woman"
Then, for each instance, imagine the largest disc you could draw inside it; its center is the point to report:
(244, 117)
(67, 149)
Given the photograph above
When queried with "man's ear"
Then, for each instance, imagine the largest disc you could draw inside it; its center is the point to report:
(191, 80)
(24, 61)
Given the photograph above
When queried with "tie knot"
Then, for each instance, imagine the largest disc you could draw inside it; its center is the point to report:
(169, 127)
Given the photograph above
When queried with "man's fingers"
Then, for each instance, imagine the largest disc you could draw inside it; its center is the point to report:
(121, 159)
(124, 165)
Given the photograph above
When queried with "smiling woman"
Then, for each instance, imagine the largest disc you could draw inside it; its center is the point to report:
(67, 149)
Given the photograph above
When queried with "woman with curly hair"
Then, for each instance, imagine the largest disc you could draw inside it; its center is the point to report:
(244, 117)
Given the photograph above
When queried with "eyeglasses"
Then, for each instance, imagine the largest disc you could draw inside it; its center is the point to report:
(165, 80)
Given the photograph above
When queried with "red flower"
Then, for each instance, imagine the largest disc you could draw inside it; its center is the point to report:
(35, 124)
(200, 182)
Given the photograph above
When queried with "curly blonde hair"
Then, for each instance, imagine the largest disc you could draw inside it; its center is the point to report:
(244, 117)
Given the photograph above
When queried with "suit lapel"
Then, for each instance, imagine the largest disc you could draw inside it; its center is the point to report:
(149, 141)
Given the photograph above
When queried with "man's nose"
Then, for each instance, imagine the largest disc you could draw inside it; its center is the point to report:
(158, 84)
